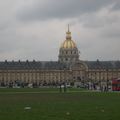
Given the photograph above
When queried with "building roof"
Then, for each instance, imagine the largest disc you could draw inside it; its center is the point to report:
(103, 64)
(55, 65)
(41, 65)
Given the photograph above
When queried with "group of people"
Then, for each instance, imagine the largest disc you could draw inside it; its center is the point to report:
(63, 88)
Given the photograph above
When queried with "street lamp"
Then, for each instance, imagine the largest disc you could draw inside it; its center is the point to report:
(65, 79)
(107, 80)
(60, 83)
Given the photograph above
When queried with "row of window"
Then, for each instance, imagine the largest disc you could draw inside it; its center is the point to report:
(68, 52)
(68, 59)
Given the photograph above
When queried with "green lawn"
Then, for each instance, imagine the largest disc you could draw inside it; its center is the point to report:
(39, 90)
(52, 105)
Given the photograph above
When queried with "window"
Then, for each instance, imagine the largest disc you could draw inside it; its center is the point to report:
(66, 59)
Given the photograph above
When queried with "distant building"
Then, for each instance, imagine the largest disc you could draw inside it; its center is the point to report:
(68, 69)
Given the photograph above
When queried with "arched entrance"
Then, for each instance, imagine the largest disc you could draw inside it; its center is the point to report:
(79, 73)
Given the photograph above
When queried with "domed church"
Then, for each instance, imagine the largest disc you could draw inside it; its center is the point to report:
(68, 69)
(68, 52)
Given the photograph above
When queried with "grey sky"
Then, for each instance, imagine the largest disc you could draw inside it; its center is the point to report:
(35, 29)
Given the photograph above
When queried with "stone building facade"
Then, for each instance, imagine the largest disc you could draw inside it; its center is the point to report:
(68, 69)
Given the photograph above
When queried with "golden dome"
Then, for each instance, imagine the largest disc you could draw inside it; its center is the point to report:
(68, 43)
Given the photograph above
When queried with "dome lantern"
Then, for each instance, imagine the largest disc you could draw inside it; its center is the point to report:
(68, 34)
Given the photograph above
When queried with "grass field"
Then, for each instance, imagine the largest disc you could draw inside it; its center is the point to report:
(49, 104)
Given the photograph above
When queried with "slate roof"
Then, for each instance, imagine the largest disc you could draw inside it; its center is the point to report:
(42, 65)
(103, 64)
(55, 65)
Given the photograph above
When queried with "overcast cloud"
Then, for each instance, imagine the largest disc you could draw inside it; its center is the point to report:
(35, 29)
